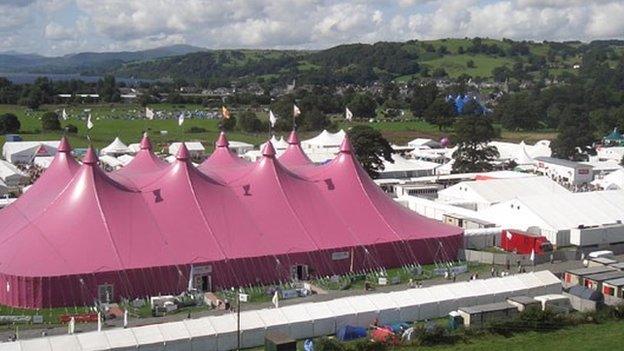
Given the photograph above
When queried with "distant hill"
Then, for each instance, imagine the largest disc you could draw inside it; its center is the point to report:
(475, 58)
(85, 62)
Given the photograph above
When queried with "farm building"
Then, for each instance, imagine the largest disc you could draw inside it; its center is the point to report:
(575, 276)
(524, 303)
(481, 315)
(594, 281)
(212, 226)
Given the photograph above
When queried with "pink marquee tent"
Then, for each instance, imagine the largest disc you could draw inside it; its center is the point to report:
(142, 229)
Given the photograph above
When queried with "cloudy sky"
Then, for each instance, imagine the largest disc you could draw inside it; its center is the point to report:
(56, 27)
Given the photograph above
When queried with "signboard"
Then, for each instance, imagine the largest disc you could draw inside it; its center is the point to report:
(243, 297)
(340, 255)
(199, 270)
(382, 281)
(583, 171)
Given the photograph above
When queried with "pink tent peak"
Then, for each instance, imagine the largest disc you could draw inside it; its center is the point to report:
(183, 153)
(293, 138)
(64, 145)
(346, 146)
(268, 149)
(146, 144)
(294, 157)
(222, 141)
(90, 157)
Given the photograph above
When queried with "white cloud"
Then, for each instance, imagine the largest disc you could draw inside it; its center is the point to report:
(61, 26)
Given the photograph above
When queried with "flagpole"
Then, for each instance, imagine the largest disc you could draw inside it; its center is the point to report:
(238, 343)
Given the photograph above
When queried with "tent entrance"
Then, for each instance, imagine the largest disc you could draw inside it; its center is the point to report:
(299, 272)
(105, 293)
(202, 282)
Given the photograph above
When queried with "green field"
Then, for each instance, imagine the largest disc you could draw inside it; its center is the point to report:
(127, 122)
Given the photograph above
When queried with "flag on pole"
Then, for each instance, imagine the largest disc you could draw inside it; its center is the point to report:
(532, 258)
(272, 118)
(149, 113)
(125, 321)
(296, 111)
(64, 115)
(71, 326)
(225, 113)
(181, 119)
(89, 123)
(348, 114)
(99, 317)
(275, 299)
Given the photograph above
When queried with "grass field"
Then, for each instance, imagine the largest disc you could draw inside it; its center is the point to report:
(127, 122)
(587, 337)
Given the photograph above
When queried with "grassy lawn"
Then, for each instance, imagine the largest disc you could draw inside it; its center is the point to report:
(606, 336)
(456, 65)
(127, 122)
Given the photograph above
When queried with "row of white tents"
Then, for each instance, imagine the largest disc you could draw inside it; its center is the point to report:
(301, 321)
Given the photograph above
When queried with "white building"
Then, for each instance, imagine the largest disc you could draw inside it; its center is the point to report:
(516, 152)
(614, 153)
(611, 181)
(423, 143)
(24, 151)
(555, 214)
(480, 194)
(404, 168)
(566, 171)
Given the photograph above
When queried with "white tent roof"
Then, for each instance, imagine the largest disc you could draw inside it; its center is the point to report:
(121, 338)
(125, 159)
(148, 335)
(559, 211)
(325, 140)
(420, 142)
(278, 144)
(192, 146)
(199, 327)
(39, 344)
(402, 164)
(93, 341)
(43, 161)
(64, 343)
(239, 144)
(612, 181)
(116, 147)
(110, 161)
(223, 324)
(134, 147)
(492, 191)
(43, 148)
(8, 171)
(510, 151)
(174, 331)
(522, 157)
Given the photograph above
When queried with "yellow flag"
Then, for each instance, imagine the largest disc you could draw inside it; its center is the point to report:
(225, 113)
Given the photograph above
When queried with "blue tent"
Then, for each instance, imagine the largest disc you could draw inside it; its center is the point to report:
(349, 332)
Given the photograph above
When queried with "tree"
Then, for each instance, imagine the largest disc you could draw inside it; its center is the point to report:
(371, 148)
(574, 133)
(72, 129)
(50, 121)
(439, 73)
(363, 106)
(422, 96)
(472, 134)
(229, 124)
(249, 122)
(517, 111)
(501, 74)
(9, 123)
(440, 113)
(470, 64)
(107, 88)
(313, 119)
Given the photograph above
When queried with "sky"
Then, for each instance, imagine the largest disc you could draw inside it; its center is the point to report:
(58, 27)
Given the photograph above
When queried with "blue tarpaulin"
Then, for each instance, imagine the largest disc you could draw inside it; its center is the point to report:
(349, 332)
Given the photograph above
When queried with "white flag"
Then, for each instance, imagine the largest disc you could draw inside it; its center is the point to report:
(149, 113)
(125, 321)
(348, 114)
(272, 118)
(532, 258)
(64, 115)
(296, 111)
(71, 326)
(99, 322)
(181, 119)
(89, 123)
(275, 299)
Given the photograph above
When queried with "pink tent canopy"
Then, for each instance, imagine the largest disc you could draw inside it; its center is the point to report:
(142, 230)
(294, 156)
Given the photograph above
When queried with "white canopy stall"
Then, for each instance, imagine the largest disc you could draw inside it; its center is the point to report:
(176, 336)
(300, 322)
(388, 310)
(121, 339)
(202, 334)
(366, 311)
(37, 344)
(343, 313)
(149, 338)
(252, 329)
(117, 147)
(408, 307)
(93, 341)
(274, 320)
(64, 343)
(225, 328)
(428, 304)
(323, 318)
